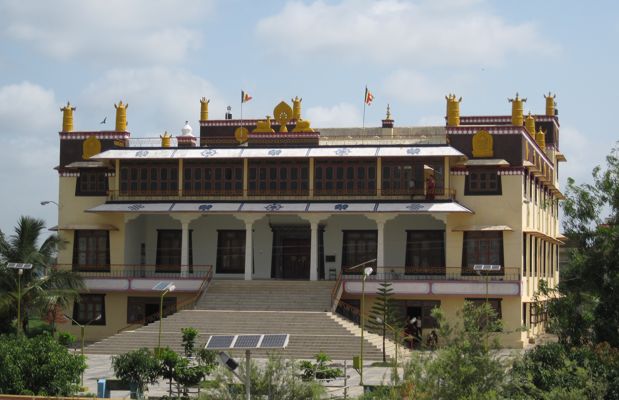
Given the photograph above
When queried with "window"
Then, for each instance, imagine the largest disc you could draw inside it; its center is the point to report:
(425, 252)
(212, 177)
(336, 177)
(91, 183)
(405, 310)
(482, 182)
(141, 179)
(358, 247)
(494, 303)
(402, 177)
(285, 177)
(91, 251)
(146, 309)
(169, 246)
(524, 254)
(482, 248)
(230, 252)
(88, 308)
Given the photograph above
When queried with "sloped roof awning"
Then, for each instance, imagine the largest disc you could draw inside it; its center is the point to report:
(482, 228)
(282, 208)
(494, 162)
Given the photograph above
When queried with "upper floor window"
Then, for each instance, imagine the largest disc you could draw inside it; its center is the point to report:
(425, 252)
(282, 177)
(212, 177)
(149, 179)
(169, 249)
(359, 247)
(482, 248)
(482, 182)
(91, 183)
(335, 177)
(91, 250)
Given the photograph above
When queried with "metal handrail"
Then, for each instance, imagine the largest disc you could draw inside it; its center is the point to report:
(403, 273)
(172, 308)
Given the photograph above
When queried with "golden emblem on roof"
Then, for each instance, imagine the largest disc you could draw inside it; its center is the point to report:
(282, 113)
(483, 144)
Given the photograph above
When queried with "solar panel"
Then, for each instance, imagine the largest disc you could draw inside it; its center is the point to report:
(162, 286)
(19, 266)
(278, 341)
(247, 341)
(218, 342)
(486, 267)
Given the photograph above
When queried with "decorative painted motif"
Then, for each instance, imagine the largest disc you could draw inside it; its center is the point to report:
(415, 206)
(413, 150)
(275, 152)
(342, 151)
(90, 147)
(209, 152)
(205, 207)
(136, 207)
(282, 114)
(141, 153)
(273, 207)
(483, 144)
(341, 207)
(241, 134)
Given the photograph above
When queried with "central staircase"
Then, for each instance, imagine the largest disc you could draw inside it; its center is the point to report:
(299, 308)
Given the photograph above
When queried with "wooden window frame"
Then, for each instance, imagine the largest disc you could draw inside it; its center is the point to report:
(479, 237)
(212, 177)
(92, 250)
(486, 177)
(346, 237)
(88, 305)
(149, 179)
(91, 182)
(336, 177)
(433, 235)
(225, 251)
(171, 267)
(284, 177)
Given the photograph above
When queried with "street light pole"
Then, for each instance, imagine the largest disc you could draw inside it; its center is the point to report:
(20, 267)
(169, 288)
(366, 272)
(82, 331)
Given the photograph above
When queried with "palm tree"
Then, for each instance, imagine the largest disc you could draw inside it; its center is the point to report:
(43, 288)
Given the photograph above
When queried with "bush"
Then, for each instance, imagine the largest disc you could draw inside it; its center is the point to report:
(65, 339)
(38, 366)
(139, 367)
(319, 369)
(189, 340)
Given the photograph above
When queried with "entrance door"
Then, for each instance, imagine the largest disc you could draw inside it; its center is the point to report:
(295, 258)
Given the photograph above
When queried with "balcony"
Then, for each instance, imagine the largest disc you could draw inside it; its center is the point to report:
(125, 277)
(438, 281)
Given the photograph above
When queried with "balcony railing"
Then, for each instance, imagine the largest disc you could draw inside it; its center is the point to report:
(138, 271)
(507, 274)
(283, 194)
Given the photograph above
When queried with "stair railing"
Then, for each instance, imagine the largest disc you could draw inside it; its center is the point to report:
(172, 308)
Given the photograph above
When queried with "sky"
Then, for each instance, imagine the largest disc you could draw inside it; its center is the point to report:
(162, 56)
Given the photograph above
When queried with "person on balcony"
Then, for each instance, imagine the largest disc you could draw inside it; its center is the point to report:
(430, 187)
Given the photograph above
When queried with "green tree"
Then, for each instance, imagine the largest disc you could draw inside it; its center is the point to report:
(137, 368)
(42, 287)
(584, 309)
(39, 366)
(382, 314)
(463, 368)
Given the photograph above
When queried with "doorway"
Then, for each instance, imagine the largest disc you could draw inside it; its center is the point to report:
(291, 252)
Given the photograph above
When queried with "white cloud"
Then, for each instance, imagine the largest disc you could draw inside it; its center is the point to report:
(159, 99)
(413, 87)
(398, 31)
(432, 120)
(579, 150)
(29, 123)
(337, 116)
(108, 31)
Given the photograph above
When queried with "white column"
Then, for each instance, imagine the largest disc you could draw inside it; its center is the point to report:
(314, 251)
(184, 219)
(381, 220)
(184, 248)
(249, 249)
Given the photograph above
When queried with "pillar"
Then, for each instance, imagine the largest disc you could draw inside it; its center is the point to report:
(249, 220)
(381, 220)
(184, 220)
(314, 220)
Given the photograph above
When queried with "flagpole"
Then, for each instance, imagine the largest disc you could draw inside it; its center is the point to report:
(364, 103)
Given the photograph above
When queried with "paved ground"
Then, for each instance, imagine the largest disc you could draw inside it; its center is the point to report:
(99, 366)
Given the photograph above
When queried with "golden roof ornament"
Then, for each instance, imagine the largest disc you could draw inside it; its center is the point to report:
(67, 117)
(264, 126)
(296, 107)
(282, 114)
(517, 110)
(204, 108)
(453, 110)
(540, 138)
(550, 104)
(166, 140)
(121, 116)
(303, 126)
(388, 116)
(90, 147)
(529, 124)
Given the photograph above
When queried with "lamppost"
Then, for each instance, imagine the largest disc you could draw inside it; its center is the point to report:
(46, 202)
(82, 328)
(20, 267)
(366, 272)
(479, 268)
(165, 287)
